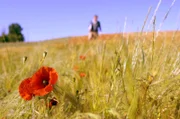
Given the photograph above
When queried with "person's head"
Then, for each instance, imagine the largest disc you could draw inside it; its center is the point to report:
(95, 18)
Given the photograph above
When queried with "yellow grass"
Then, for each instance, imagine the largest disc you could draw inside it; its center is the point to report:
(135, 76)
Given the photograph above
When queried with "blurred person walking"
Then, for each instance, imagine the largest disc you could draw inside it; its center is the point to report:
(94, 28)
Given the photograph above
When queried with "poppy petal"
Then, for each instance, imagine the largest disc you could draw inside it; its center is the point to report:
(53, 77)
(25, 89)
(48, 88)
(40, 92)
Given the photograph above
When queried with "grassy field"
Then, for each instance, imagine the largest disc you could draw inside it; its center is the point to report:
(135, 76)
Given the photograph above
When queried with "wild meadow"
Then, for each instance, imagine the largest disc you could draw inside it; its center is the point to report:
(120, 76)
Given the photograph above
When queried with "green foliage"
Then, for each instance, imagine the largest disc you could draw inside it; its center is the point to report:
(15, 29)
(4, 38)
(14, 35)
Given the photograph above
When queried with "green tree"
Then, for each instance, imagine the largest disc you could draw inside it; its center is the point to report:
(1, 39)
(15, 33)
(4, 38)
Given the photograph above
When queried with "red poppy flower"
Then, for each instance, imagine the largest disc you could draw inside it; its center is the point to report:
(25, 89)
(75, 68)
(82, 57)
(82, 74)
(43, 80)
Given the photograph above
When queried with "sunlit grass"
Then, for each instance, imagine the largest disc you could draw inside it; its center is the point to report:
(124, 77)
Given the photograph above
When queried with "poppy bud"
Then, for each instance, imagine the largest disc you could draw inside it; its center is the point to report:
(24, 59)
(44, 54)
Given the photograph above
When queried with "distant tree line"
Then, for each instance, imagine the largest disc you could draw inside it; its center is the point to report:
(14, 34)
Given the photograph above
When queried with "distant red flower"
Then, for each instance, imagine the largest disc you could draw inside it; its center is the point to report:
(82, 57)
(75, 68)
(43, 80)
(82, 74)
(25, 89)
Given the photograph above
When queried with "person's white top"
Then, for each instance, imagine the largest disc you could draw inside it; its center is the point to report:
(90, 26)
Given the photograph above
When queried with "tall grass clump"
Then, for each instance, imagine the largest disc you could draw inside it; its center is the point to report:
(110, 79)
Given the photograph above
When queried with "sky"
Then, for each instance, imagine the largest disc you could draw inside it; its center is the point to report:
(48, 19)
